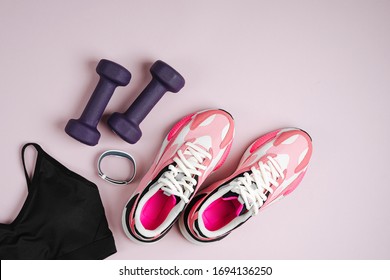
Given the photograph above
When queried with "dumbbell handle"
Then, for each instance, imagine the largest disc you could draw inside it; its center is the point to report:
(98, 102)
(145, 102)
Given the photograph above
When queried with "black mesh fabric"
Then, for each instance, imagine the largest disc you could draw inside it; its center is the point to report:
(62, 218)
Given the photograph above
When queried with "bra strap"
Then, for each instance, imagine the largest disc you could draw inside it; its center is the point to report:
(39, 150)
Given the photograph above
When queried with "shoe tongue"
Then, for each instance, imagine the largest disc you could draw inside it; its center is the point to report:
(178, 177)
(235, 190)
(191, 159)
(176, 198)
(235, 196)
(230, 195)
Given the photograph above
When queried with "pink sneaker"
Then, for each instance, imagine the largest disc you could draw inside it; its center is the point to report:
(271, 168)
(196, 146)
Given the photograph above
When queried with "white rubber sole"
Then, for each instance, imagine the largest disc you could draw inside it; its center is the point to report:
(187, 235)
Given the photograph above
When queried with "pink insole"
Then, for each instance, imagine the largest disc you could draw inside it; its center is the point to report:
(156, 210)
(221, 212)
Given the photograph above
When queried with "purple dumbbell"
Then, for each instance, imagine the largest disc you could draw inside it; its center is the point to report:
(126, 124)
(111, 75)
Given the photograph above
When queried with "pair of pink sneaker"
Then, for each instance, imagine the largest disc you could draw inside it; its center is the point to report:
(271, 168)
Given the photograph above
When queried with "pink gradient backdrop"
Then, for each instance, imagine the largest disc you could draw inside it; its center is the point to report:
(323, 66)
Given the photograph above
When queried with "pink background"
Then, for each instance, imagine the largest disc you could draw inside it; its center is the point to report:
(323, 66)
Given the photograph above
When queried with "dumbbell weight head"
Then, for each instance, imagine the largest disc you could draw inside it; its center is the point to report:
(113, 72)
(84, 129)
(82, 132)
(125, 128)
(167, 76)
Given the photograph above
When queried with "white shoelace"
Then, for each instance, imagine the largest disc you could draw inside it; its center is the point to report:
(251, 187)
(180, 178)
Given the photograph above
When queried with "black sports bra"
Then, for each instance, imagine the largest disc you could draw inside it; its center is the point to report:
(62, 217)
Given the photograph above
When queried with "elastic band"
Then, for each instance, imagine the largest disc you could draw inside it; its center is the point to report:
(117, 154)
